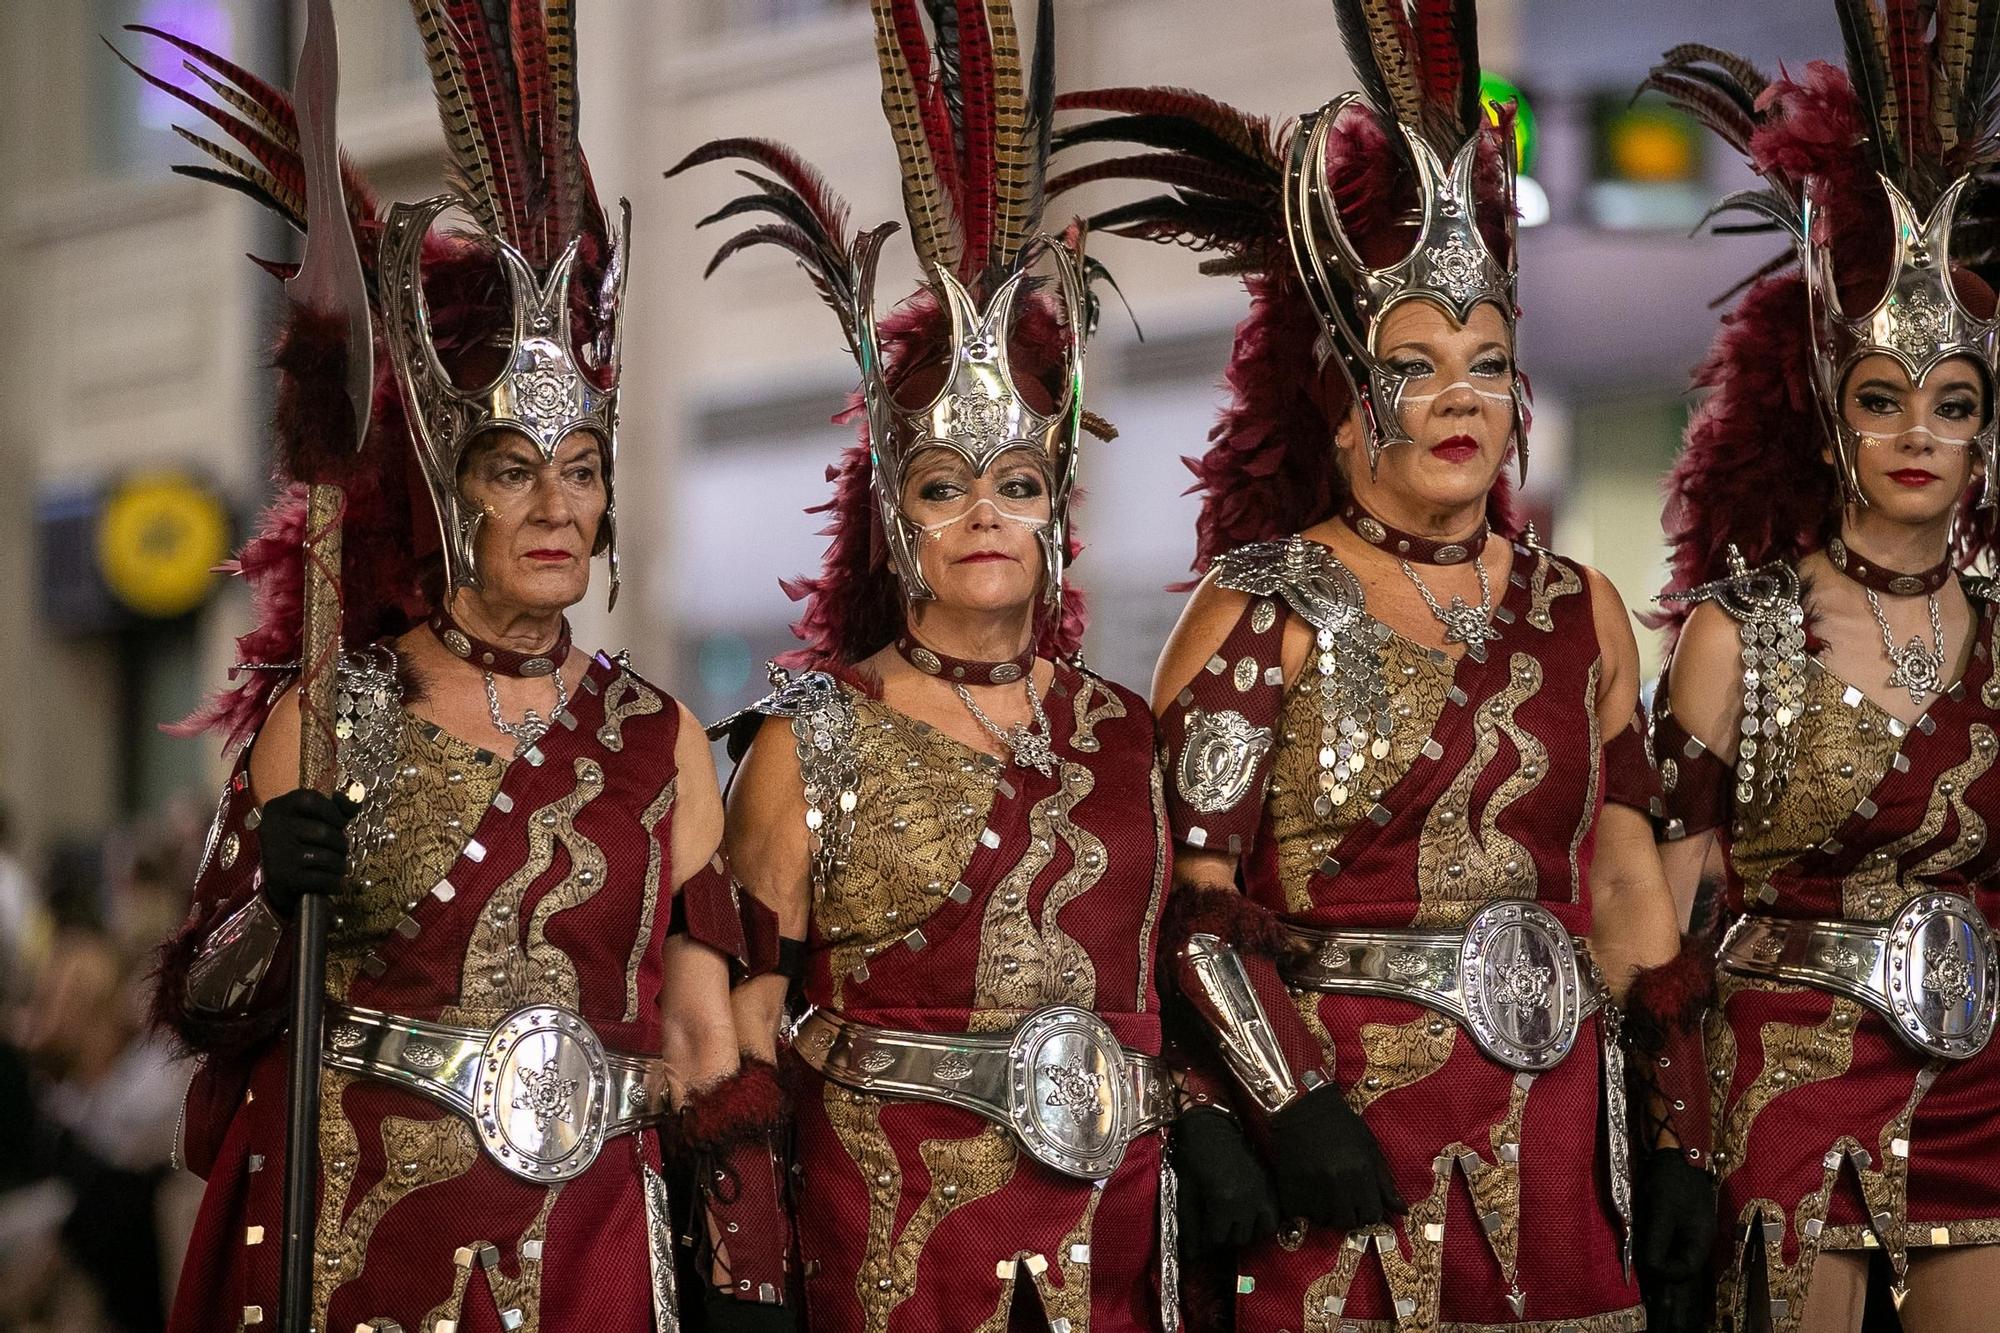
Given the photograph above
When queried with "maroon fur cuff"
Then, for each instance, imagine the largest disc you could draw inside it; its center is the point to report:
(1672, 997)
(733, 1132)
(1225, 914)
(749, 1106)
(1667, 1061)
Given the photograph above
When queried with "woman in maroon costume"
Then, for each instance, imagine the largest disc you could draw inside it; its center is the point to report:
(961, 823)
(1414, 857)
(515, 815)
(1829, 653)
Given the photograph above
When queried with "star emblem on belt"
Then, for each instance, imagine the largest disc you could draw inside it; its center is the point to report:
(546, 1093)
(1075, 1091)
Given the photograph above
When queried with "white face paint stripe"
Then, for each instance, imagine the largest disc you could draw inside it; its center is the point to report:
(933, 529)
(1487, 394)
(1878, 437)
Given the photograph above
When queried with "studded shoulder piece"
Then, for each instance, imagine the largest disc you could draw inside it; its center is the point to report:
(368, 735)
(1355, 721)
(1771, 619)
(822, 718)
(1980, 587)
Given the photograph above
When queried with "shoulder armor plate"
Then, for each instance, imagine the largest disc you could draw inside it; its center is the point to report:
(1322, 591)
(1980, 587)
(1771, 616)
(1748, 594)
(822, 718)
(793, 696)
(1353, 697)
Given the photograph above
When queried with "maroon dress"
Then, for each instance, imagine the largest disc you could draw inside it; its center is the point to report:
(1481, 780)
(1830, 1131)
(477, 886)
(972, 893)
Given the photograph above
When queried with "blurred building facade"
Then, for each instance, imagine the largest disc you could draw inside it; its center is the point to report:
(139, 325)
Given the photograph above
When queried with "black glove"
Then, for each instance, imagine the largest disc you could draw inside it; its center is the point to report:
(1225, 1196)
(302, 845)
(723, 1313)
(1674, 1231)
(1328, 1168)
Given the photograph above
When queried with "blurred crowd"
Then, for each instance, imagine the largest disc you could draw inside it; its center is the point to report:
(93, 1215)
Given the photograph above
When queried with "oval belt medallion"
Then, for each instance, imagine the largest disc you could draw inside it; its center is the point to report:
(1219, 759)
(1941, 975)
(539, 1105)
(1069, 1092)
(1523, 989)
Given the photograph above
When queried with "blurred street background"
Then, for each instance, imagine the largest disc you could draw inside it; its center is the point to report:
(134, 455)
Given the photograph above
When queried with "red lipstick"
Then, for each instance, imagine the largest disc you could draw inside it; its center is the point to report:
(980, 557)
(1913, 477)
(1457, 449)
(548, 556)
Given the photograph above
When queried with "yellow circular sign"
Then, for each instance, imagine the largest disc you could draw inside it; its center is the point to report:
(159, 539)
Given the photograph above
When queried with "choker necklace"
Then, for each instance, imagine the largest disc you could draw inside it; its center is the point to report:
(965, 671)
(1469, 625)
(1878, 578)
(1407, 545)
(494, 658)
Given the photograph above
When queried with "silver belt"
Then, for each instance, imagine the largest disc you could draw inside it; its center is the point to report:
(1511, 978)
(1060, 1082)
(1930, 970)
(539, 1088)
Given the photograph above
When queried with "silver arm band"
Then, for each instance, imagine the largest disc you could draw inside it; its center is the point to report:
(234, 959)
(1225, 998)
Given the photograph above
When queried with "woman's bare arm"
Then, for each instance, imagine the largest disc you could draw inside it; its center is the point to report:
(700, 1040)
(1633, 923)
(769, 855)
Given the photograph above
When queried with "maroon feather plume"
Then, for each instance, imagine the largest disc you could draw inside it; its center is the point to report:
(976, 172)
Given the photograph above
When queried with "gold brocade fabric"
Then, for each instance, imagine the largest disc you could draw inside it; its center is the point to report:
(502, 971)
(926, 799)
(1417, 682)
(1845, 747)
(415, 1153)
(424, 813)
(1878, 888)
(1463, 864)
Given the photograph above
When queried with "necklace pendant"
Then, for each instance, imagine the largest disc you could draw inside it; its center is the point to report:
(1468, 625)
(1032, 750)
(1917, 669)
